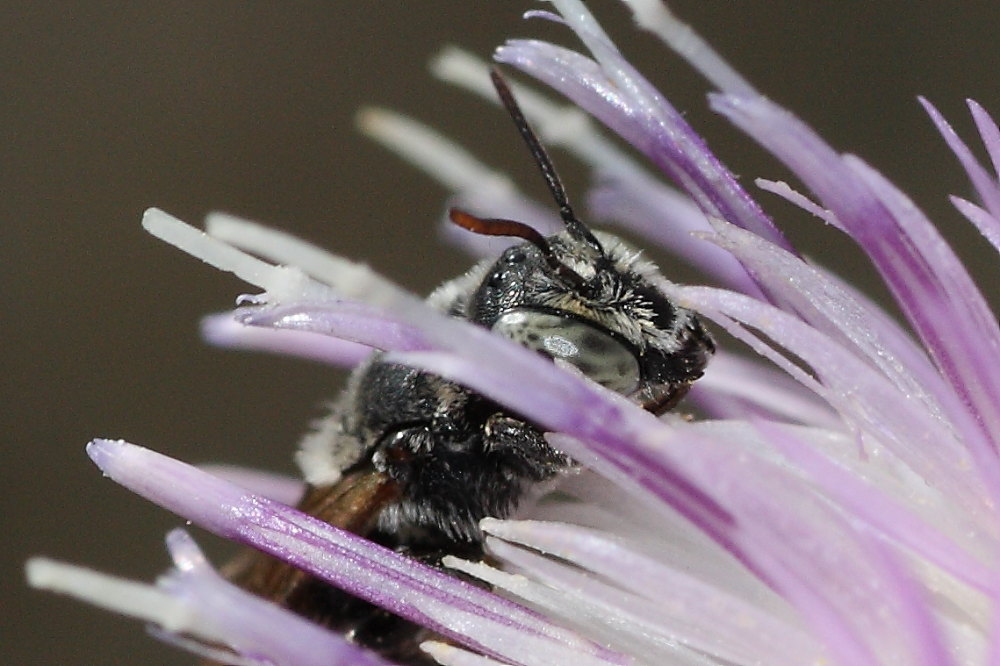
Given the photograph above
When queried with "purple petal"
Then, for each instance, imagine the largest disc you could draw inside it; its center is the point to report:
(986, 185)
(928, 281)
(625, 102)
(668, 218)
(798, 544)
(988, 225)
(448, 606)
(834, 308)
(784, 190)
(193, 608)
(989, 132)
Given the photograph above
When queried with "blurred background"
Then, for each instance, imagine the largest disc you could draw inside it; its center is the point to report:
(108, 108)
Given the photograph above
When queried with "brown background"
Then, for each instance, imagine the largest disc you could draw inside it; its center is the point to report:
(109, 107)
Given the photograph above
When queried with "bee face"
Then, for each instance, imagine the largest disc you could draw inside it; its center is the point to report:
(608, 319)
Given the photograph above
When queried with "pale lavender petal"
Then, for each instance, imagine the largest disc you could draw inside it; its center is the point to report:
(862, 493)
(920, 634)
(666, 629)
(455, 609)
(941, 296)
(785, 191)
(657, 18)
(928, 281)
(862, 396)
(714, 613)
(598, 503)
(450, 655)
(338, 320)
(278, 487)
(827, 568)
(224, 331)
(988, 225)
(802, 547)
(758, 389)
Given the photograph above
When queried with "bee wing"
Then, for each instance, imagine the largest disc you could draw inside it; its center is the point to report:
(352, 504)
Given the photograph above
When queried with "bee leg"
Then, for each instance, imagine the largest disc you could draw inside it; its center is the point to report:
(522, 448)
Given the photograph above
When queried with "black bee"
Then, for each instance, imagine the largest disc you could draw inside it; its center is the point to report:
(413, 461)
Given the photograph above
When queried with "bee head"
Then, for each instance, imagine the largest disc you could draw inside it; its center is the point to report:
(585, 298)
(594, 303)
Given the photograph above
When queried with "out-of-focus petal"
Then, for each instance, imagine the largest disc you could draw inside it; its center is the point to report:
(193, 600)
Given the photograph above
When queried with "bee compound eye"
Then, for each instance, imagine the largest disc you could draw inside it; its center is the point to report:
(593, 351)
(514, 255)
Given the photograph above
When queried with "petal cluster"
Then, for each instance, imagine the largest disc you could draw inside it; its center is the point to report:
(838, 504)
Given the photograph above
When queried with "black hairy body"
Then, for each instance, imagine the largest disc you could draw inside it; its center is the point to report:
(440, 459)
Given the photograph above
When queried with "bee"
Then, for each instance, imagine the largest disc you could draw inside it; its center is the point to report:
(414, 461)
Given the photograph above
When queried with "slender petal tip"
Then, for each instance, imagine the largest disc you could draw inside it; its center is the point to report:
(104, 452)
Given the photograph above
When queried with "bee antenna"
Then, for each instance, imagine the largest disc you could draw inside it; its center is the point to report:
(501, 227)
(542, 159)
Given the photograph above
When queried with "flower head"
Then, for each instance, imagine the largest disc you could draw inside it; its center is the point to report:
(838, 506)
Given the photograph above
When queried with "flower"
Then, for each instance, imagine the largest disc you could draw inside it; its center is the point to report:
(838, 506)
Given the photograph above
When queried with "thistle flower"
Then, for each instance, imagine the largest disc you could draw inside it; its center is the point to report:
(839, 506)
